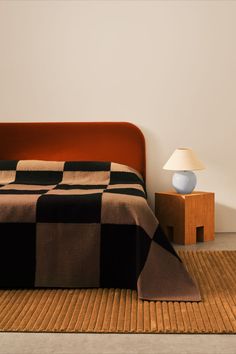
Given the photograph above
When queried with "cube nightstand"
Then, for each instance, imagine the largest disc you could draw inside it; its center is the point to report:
(186, 218)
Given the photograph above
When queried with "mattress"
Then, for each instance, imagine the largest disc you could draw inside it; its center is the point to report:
(83, 224)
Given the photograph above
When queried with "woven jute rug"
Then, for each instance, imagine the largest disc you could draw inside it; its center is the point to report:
(119, 310)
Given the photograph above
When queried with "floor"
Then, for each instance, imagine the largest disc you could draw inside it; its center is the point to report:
(226, 241)
(30, 343)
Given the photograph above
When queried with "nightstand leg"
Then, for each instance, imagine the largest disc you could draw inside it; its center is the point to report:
(190, 235)
(178, 234)
(208, 234)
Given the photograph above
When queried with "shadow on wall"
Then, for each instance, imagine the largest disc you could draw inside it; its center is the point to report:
(156, 179)
(224, 216)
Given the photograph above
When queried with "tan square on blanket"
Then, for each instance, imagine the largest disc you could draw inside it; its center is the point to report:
(85, 177)
(127, 209)
(69, 256)
(18, 207)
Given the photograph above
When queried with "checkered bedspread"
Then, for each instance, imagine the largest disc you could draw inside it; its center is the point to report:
(84, 224)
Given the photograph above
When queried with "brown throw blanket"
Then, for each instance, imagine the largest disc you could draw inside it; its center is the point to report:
(84, 224)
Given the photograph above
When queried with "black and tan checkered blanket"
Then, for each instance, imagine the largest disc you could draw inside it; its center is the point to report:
(84, 224)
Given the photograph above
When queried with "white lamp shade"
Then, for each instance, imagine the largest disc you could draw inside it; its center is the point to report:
(183, 159)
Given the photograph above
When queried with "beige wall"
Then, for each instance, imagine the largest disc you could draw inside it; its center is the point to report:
(167, 66)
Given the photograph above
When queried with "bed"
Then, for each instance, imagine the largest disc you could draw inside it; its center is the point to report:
(74, 212)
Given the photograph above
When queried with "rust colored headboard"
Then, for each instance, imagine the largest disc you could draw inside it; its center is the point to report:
(120, 142)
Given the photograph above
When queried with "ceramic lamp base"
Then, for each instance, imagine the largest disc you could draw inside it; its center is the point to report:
(184, 182)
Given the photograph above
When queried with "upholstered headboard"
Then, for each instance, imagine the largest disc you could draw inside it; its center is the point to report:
(120, 142)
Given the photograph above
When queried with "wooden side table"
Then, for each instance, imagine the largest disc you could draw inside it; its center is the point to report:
(186, 218)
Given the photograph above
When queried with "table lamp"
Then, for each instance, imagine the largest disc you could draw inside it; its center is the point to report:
(183, 161)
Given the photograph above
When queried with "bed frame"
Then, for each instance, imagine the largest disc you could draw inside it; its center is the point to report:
(120, 142)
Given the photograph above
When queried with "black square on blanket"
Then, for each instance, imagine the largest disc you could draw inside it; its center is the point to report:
(17, 254)
(121, 260)
(124, 178)
(87, 166)
(38, 177)
(82, 208)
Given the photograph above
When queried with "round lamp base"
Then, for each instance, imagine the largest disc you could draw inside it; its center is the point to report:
(184, 182)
